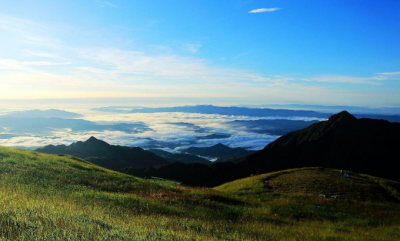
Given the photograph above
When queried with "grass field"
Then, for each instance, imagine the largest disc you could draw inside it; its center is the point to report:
(49, 197)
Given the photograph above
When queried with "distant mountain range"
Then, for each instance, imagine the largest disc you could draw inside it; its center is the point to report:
(390, 114)
(272, 127)
(106, 155)
(219, 151)
(52, 113)
(45, 126)
(336, 108)
(244, 111)
(342, 142)
(119, 158)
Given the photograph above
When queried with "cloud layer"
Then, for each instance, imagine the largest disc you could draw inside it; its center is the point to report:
(174, 131)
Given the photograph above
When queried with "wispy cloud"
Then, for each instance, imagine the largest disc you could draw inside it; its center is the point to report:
(344, 79)
(10, 64)
(162, 67)
(41, 54)
(153, 72)
(29, 31)
(192, 48)
(389, 73)
(371, 80)
(264, 10)
(106, 4)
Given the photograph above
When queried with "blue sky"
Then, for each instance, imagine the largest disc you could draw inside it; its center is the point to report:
(248, 51)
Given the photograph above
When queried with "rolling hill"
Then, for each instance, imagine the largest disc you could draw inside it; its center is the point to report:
(52, 197)
(314, 181)
(106, 155)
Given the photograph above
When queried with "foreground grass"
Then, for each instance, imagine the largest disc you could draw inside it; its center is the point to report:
(48, 197)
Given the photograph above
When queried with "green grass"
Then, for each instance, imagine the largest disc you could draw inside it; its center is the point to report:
(50, 197)
(317, 181)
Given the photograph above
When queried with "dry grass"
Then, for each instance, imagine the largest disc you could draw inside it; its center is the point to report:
(48, 197)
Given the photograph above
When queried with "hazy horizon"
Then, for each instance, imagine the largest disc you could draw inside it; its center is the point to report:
(180, 52)
(88, 103)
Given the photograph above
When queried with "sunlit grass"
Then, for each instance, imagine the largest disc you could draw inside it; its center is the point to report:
(49, 197)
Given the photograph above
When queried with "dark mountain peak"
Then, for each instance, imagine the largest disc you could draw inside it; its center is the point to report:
(342, 116)
(339, 126)
(342, 142)
(219, 145)
(93, 141)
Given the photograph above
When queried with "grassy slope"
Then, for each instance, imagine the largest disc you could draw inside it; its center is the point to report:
(49, 197)
(69, 199)
(317, 181)
(361, 207)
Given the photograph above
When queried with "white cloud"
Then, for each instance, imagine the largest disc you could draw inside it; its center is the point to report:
(131, 73)
(161, 132)
(140, 65)
(106, 4)
(341, 79)
(264, 10)
(372, 80)
(390, 73)
(41, 54)
(192, 48)
(10, 64)
(29, 31)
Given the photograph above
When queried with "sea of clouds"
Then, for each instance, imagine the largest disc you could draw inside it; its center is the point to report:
(168, 131)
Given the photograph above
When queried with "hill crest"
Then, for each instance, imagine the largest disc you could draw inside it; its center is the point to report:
(323, 182)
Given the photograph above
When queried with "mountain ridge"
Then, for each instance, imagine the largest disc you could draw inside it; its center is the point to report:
(342, 142)
(50, 113)
(101, 153)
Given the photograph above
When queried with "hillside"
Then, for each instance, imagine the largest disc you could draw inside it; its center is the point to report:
(314, 181)
(343, 142)
(106, 155)
(219, 151)
(51, 197)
